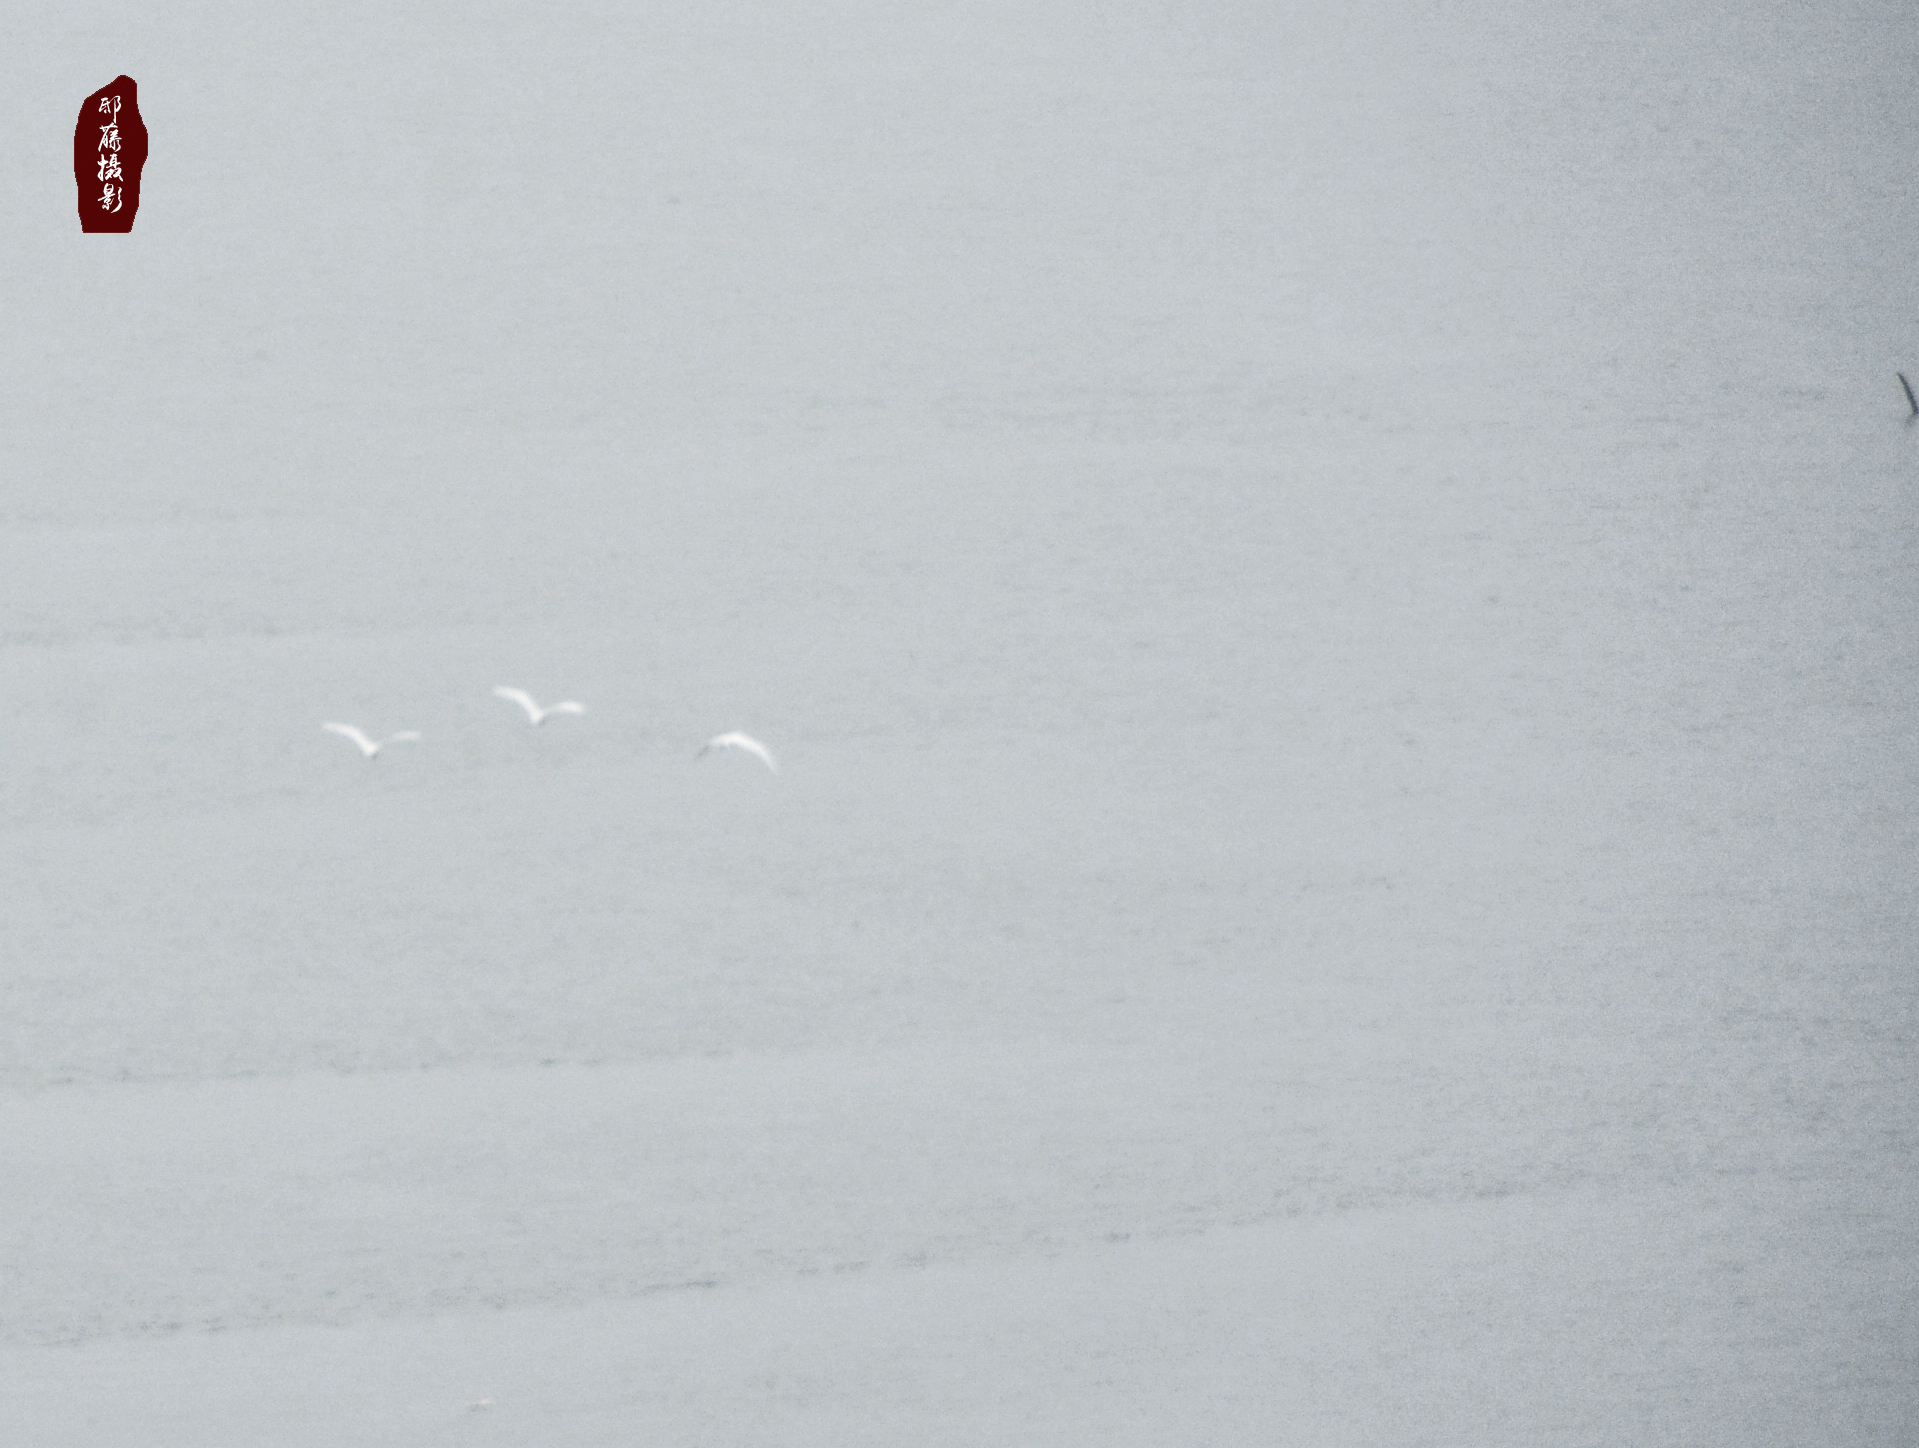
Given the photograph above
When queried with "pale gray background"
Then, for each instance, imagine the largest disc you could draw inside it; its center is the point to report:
(1335, 588)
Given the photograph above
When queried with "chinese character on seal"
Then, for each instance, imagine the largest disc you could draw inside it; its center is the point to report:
(109, 152)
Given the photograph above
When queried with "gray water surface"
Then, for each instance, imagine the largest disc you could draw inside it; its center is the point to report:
(1334, 594)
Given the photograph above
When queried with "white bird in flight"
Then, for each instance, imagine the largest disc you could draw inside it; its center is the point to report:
(368, 747)
(736, 740)
(534, 713)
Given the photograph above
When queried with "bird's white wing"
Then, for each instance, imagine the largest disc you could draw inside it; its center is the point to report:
(523, 699)
(744, 742)
(571, 706)
(404, 734)
(367, 746)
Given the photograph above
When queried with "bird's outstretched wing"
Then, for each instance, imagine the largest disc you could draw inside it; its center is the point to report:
(525, 700)
(745, 742)
(571, 706)
(367, 746)
(402, 735)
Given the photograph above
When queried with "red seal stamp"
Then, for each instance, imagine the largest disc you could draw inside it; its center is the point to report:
(109, 152)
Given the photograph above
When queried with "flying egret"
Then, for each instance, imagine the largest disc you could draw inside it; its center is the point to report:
(736, 740)
(534, 713)
(368, 747)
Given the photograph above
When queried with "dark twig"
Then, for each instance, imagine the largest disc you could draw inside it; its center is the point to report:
(1909, 397)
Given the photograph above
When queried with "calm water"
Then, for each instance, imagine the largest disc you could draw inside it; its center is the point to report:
(1335, 598)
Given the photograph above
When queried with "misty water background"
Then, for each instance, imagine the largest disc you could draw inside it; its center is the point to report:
(1335, 593)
